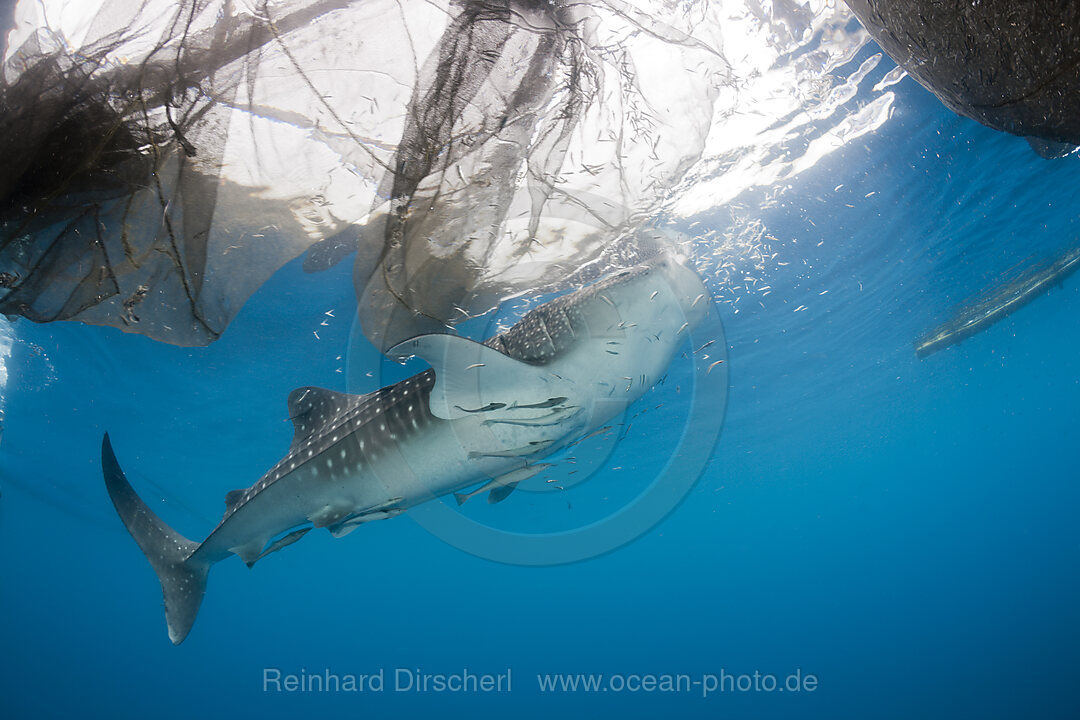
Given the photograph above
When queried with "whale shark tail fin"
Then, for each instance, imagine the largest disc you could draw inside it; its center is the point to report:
(183, 578)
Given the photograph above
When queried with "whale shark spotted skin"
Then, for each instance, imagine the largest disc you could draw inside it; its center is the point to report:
(484, 413)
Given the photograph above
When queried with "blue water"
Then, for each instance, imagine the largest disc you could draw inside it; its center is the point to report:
(904, 531)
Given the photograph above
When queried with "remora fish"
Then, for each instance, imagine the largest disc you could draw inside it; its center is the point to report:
(484, 412)
(999, 303)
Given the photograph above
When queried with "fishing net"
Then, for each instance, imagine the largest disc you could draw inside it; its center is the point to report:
(163, 159)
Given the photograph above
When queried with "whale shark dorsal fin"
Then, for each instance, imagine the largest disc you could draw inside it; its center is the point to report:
(313, 408)
(471, 378)
(231, 498)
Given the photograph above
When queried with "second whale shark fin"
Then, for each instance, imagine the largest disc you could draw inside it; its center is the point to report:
(472, 378)
(313, 408)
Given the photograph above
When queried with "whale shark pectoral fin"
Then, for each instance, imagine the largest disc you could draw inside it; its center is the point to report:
(471, 377)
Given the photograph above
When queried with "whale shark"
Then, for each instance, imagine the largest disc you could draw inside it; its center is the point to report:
(484, 414)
